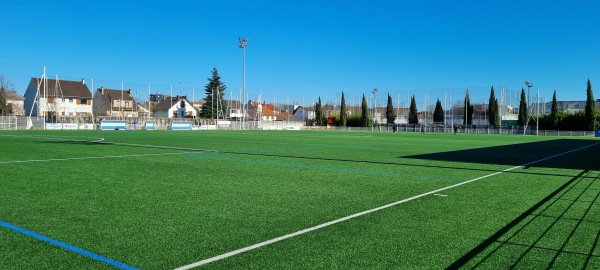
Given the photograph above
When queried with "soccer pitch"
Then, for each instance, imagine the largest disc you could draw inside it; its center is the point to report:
(297, 200)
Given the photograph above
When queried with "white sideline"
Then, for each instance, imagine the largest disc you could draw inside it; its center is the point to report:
(96, 139)
(283, 237)
(84, 158)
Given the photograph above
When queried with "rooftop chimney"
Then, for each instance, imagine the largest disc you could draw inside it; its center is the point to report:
(83, 81)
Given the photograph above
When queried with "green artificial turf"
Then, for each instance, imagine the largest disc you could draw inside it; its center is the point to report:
(165, 199)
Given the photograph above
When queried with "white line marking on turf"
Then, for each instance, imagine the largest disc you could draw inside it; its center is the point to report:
(95, 139)
(283, 237)
(441, 195)
(84, 158)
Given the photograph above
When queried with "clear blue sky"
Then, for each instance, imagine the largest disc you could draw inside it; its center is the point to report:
(300, 50)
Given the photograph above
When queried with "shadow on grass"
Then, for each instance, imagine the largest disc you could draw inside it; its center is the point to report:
(560, 231)
(521, 154)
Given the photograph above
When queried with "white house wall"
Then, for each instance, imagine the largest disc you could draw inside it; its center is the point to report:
(65, 108)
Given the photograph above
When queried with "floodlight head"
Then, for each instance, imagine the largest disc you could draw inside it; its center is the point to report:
(243, 42)
(528, 84)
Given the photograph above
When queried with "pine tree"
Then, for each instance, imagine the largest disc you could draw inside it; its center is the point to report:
(468, 118)
(319, 113)
(389, 112)
(590, 108)
(365, 118)
(413, 117)
(523, 114)
(438, 112)
(343, 111)
(493, 114)
(214, 106)
(554, 112)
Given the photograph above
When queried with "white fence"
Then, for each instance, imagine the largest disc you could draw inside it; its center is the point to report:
(8, 122)
(20, 122)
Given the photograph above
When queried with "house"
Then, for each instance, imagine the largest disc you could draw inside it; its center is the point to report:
(304, 112)
(234, 109)
(265, 112)
(142, 109)
(568, 106)
(114, 103)
(174, 107)
(57, 98)
(15, 103)
(198, 106)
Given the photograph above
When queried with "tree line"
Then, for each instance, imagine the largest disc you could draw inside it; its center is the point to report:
(587, 119)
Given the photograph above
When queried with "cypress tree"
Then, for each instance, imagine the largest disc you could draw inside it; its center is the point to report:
(438, 112)
(523, 115)
(389, 112)
(365, 119)
(554, 112)
(343, 111)
(494, 116)
(4, 110)
(590, 108)
(413, 117)
(468, 117)
(318, 113)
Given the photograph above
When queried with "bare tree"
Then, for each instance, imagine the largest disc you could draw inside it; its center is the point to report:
(5, 86)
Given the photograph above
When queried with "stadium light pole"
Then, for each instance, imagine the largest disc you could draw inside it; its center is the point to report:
(374, 106)
(529, 85)
(243, 42)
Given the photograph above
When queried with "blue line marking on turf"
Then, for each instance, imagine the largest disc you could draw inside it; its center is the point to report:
(66, 246)
(206, 155)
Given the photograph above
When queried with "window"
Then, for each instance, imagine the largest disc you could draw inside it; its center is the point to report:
(84, 101)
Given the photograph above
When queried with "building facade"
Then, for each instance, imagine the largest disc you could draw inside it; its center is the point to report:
(114, 103)
(58, 98)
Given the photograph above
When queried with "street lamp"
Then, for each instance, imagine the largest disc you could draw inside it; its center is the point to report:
(243, 42)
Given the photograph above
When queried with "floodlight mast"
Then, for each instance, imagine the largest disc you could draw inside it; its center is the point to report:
(243, 42)
(374, 108)
(529, 85)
